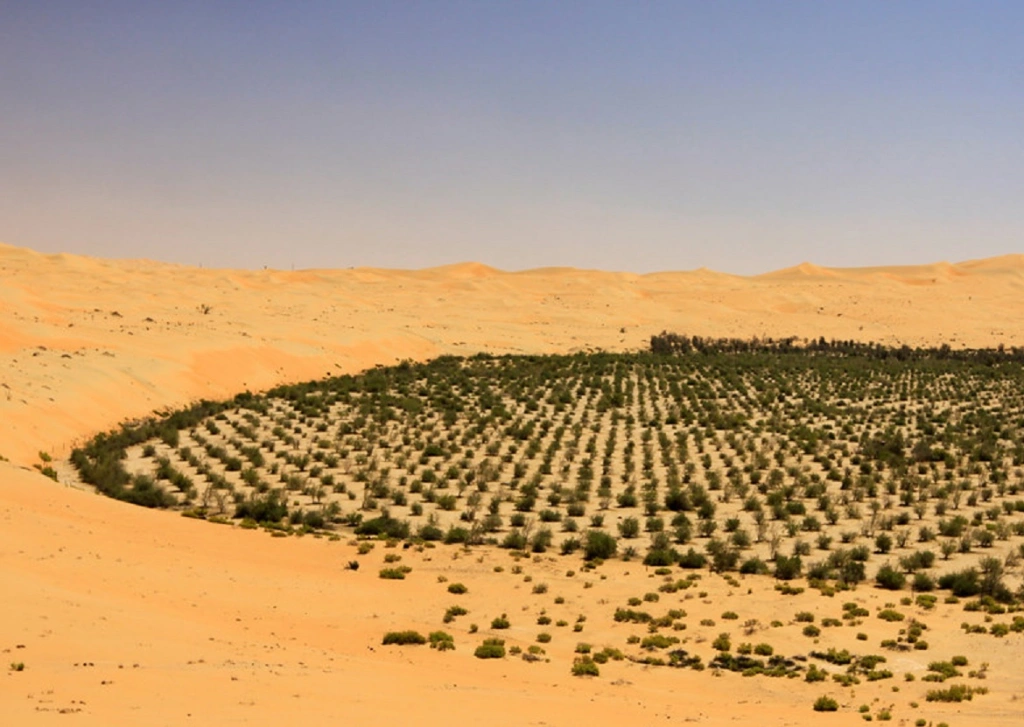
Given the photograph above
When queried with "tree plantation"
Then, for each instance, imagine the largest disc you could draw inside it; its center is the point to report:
(791, 461)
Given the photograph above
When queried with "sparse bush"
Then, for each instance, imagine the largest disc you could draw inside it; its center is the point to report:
(585, 666)
(402, 638)
(452, 612)
(954, 693)
(599, 545)
(825, 704)
(629, 528)
(490, 649)
(890, 578)
(394, 574)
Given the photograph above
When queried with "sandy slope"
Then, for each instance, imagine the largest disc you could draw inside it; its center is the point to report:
(229, 626)
(134, 617)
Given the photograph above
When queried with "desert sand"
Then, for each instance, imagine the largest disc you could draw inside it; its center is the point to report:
(126, 616)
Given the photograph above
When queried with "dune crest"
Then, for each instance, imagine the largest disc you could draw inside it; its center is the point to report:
(87, 343)
(804, 269)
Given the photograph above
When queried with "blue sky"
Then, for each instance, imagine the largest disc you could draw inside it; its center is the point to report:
(740, 136)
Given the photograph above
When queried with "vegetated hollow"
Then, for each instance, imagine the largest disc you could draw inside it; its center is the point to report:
(754, 449)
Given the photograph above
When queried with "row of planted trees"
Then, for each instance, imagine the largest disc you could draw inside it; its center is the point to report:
(734, 453)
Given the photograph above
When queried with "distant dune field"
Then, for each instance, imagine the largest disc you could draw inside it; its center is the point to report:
(122, 615)
(86, 343)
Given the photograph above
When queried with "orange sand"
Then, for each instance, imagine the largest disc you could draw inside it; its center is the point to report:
(126, 616)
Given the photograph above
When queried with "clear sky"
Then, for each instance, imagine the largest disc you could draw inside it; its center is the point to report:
(628, 135)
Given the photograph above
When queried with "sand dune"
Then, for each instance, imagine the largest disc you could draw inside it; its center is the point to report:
(86, 343)
(125, 616)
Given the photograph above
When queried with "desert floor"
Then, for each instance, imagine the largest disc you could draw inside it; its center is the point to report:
(126, 616)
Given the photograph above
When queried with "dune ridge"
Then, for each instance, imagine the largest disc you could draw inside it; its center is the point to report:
(88, 342)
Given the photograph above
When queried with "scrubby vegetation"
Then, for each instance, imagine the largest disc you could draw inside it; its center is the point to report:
(585, 666)
(402, 638)
(875, 489)
(825, 704)
(826, 460)
(955, 693)
(441, 640)
(491, 649)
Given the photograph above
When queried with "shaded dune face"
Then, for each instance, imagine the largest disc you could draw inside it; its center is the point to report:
(121, 615)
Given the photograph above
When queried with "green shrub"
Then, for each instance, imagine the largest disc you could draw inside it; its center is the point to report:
(722, 642)
(441, 640)
(570, 545)
(883, 543)
(963, 583)
(457, 588)
(788, 568)
(833, 656)
(890, 578)
(659, 641)
(660, 557)
(490, 649)
(585, 666)
(629, 528)
(452, 612)
(403, 638)
(754, 566)
(692, 559)
(923, 582)
(943, 669)
(386, 526)
(825, 704)
(955, 693)
(815, 674)
(599, 545)
(631, 616)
